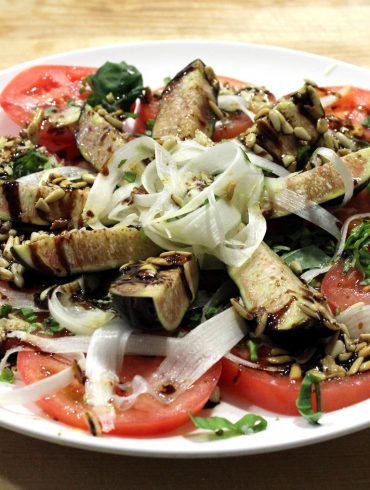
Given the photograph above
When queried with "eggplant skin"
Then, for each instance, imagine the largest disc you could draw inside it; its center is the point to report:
(185, 104)
(97, 139)
(78, 251)
(18, 203)
(319, 185)
(154, 295)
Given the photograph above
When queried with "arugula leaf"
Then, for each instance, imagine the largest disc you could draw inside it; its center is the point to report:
(249, 423)
(123, 81)
(304, 400)
(308, 257)
(366, 122)
(357, 248)
(29, 163)
(7, 375)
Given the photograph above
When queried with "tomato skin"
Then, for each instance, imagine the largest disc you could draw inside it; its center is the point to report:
(343, 290)
(45, 86)
(354, 107)
(278, 393)
(146, 417)
(42, 86)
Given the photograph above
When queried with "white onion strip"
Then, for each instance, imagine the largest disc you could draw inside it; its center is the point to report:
(341, 168)
(138, 344)
(37, 390)
(72, 316)
(197, 352)
(299, 205)
(267, 165)
(357, 319)
(249, 364)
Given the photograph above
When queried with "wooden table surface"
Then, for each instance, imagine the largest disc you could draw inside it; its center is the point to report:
(29, 29)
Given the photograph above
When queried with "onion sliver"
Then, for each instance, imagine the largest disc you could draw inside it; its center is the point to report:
(297, 204)
(40, 389)
(267, 165)
(196, 353)
(357, 319)
(71, 315)
(341, 168)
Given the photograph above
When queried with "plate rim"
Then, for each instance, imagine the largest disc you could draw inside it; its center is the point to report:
(86, 441)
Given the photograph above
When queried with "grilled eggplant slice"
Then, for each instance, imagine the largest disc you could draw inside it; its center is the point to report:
(97, 139)
(186, 104)
(318, 185)
(157, 292)
(277, 298)
(77, 251)
(293, 128)
(18, 203)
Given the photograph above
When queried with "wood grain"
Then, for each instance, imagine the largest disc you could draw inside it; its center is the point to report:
(34, 28)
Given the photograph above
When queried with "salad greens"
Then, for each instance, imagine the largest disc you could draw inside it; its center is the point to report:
(33, 161)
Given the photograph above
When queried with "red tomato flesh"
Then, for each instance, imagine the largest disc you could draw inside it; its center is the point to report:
(354, 107)
(278, 393)
(343, 290)
(45, 86)
(147, 417)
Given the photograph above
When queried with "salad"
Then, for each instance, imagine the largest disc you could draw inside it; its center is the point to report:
(164, 247)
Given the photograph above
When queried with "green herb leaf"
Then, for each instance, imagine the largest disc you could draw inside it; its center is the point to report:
(5, 310)
(49, 111)
(31, 162)
(253, 350)
(366, 122)
(150, 124)
(304, 400)
(212, 311)
(71, 102)
(29, 314)
(121, 80)
(129, 177)
(357, 250)
(7, 375)
(167, 80)
(249, 423)
(308, 257)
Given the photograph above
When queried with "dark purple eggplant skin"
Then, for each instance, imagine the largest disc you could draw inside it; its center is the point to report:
(186, 103)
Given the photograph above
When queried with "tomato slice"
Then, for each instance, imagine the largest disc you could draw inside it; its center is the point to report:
(354, 107)
(343, 290)
(278, 393)
(45, 86)
(147, 417)
(42, 86)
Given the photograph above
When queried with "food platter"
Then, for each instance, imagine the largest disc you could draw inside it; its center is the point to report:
(281, 71)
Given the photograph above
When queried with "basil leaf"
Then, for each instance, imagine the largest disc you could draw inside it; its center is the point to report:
(31, 162)
(366, 122)
(304, 400)
(123, 81)
(308, 257)
(7, 375)
(248, 423)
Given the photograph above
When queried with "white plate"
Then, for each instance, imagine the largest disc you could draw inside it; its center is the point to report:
(282, 71)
